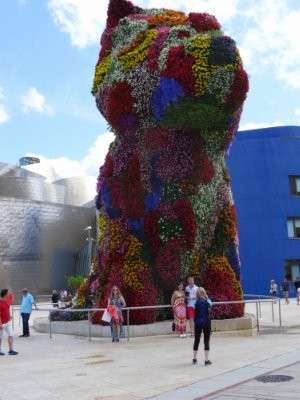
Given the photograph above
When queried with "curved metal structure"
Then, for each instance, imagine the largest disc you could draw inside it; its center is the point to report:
(41, 230)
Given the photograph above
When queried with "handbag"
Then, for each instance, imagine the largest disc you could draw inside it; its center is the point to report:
(106, 317)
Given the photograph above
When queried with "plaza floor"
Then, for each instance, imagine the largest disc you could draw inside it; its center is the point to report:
(158, 367)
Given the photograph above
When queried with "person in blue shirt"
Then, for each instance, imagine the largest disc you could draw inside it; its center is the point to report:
(26, 309)
(202, 323)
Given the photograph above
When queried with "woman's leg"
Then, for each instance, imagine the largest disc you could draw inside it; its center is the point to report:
(196, 341)
(113, 330)
(206, 331)
(117, 331)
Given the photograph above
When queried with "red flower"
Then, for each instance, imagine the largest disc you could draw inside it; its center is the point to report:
(151, 230)
(119, 9)
(203, 168)
(179, 66)
(120, 103)
(239, 90)
(132, 190)
(203, 22)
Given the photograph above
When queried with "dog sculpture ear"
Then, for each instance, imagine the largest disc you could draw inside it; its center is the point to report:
(118, 9)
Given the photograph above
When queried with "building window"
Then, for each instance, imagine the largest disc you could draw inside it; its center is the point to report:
(293, 225)
(292, 269)
(294, 185)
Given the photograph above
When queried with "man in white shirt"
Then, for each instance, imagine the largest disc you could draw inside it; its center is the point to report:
(191, 297)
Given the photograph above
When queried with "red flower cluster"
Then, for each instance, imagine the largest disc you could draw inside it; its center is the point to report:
(151, 230)
(217, 282)
(239, 90)
(119, 9)
(120, 103)
(132, 191)
(168, 264)
(145, 297)
(203, 168)
(203, 22)
(186, 218)
(156, 47)
(179, 66)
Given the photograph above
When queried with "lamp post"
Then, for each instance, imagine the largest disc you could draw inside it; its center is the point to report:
(90, 241)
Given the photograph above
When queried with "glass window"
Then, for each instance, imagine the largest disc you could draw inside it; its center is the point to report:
(294, 185)
(292, 269)
(293, 227)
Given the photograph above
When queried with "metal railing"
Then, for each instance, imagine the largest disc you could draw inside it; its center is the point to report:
(258, 301)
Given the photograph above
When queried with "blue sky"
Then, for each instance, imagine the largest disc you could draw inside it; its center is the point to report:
(49, 49)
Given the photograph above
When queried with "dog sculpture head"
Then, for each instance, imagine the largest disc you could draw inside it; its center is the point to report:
(160, 67)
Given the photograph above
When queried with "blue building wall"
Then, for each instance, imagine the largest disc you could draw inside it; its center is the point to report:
(260, 162)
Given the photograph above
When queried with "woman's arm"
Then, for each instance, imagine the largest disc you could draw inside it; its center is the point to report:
(173, 299)
(123, 302)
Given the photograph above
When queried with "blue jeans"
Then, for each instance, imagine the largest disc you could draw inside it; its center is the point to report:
(25, 320)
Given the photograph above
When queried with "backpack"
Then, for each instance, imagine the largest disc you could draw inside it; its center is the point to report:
(202, 314)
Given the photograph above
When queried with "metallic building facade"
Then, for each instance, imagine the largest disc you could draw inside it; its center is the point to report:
(42, 228)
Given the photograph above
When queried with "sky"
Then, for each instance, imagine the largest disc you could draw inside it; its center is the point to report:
(49, 49)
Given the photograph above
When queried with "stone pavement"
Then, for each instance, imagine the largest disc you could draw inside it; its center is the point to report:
(158, 367)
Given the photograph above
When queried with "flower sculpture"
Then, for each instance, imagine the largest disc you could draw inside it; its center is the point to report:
(171, 87)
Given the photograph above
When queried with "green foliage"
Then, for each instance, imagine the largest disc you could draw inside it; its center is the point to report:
(74, 282)
(195, 114)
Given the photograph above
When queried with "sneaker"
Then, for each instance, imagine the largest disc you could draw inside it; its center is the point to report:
(1, 353)
(207, 362)
(25, 335)
(195, 361)
(12, 353)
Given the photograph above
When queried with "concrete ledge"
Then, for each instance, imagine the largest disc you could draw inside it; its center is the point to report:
(83, 328)
(248, 321)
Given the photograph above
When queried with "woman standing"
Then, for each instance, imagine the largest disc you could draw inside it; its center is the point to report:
(179, 310)
(202, 323)
(115, 303)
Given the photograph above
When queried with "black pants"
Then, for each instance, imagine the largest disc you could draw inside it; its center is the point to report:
(25, 320)
(206, 332)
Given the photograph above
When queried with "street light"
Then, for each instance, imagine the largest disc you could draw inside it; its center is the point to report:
(90, 240)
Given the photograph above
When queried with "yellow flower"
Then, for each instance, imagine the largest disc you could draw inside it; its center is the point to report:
(201, 69)
(221, 263)
(133, 264)
(194, 269)
(114, 235)
(102, 224)
(136, 52)
(100, 72)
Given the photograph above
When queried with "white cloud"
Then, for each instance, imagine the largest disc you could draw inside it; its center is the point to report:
(4, 115)
(259, 125)
(84, 20)
(267, 31)
(64, 167)
(81, 19)
(96, 154)
(33, 100)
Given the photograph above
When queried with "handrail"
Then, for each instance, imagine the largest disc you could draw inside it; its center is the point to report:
(261, 299)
